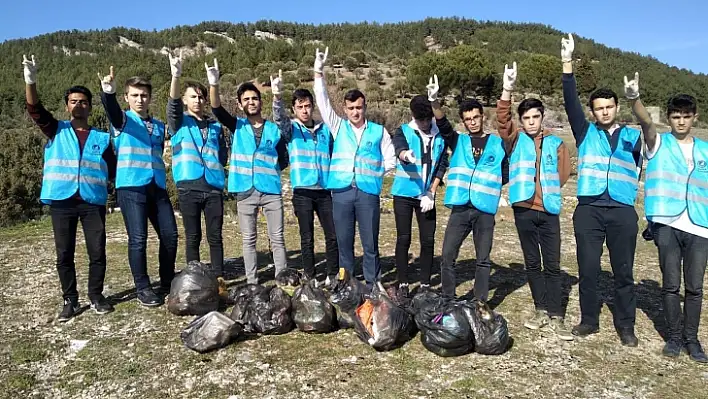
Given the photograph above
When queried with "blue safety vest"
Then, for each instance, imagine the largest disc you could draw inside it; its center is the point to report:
(408, 181)
(67, 169)
(361, 164)
(139, 153)
(309, 160)
(193, 158)
(670, 188)
(472, 182)
(600, 169)
(252, 166)
(522, 172)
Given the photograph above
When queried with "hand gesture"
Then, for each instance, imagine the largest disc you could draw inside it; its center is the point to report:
(30, 68)
(427, 203)
(408, 156)
(320, 59)
(567, 47)
(433, 88)
(631, 88)
(510, 77)
(276, 85)
(175, 64)
(212, 73)
(108, 83)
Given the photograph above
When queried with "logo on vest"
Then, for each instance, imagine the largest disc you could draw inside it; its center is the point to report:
(269, 144)
(96, 149)
(702, 166)
(549, 159)
(490, 160)
(369, 144)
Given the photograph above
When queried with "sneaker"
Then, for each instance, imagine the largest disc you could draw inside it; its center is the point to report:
(147, 297)
(102, 305)
(558, 326)
(672, 348)
(330, 281)
(403, 290)
(539, 320)
(71, 308)
(628, 338)
(695, 352)
(583, 330)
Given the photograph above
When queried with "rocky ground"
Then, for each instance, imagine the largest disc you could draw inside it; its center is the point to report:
(137, 352)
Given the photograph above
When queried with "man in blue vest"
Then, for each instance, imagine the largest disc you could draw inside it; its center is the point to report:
(609, 163)
(254, 171)
(309, 147)
(139, 141)
(362, 153)
(676, 204)
(539, 166)
(78, 162)
(478, 169)
(199, 155)
(422, 163)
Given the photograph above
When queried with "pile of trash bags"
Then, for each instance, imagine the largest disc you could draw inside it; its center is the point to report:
(262, 310)
(312, 311)
(383, 323)
(194, 291)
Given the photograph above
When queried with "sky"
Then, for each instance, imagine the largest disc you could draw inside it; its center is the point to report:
(673, 32)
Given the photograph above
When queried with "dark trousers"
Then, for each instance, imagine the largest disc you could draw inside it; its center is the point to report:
(65, 219)
(539, 234)
(137, 208)
(352, 206)
(463, 221)
(676, 246)
(618, 225)
(403, 209)
(306, 203)
(192, 204)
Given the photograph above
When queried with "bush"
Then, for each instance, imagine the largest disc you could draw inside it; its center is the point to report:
(21, 159)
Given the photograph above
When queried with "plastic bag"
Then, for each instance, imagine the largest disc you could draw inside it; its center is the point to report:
(444, 326)
(312, 312)
(491, 333)
(211, 331)
(262, 310)
(194, 291)
(288, 280)
(346, 298)
(381, 323)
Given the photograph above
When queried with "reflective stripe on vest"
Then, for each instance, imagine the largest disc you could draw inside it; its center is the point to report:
(309, 160)
(139, 153)
(365, 168)
(408, 181)
(522, 172)
(192, 158)
(252, 166)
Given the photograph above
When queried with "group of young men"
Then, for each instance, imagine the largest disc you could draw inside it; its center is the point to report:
(337, 168)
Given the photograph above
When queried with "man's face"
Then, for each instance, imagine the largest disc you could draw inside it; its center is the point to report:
(473, 121)
(78, 106)
(194, 101)
(355, 111)
(532, 120)
(138, 99)
(605, 111)
(303, 110)
(682, 122)
(424, 124)
(250, 103)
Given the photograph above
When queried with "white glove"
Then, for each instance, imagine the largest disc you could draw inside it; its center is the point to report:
(631, 88)
(427, 202)
(30, 69)
(276, 85)
(108, 82)
(212, 73)
(567, 47)
(409, 156)
(320, 59)
(176, 64)
(433, 89)
(509, 77)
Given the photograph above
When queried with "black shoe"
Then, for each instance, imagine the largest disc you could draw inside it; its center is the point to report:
(583, 330)
(71, 308)
(101, 305)
(148, 298)
(695, 352)
(403, 291)
(628, 338)
(162, 292)
(672, 348)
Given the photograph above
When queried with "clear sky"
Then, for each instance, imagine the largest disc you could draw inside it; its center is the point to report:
(674, 32)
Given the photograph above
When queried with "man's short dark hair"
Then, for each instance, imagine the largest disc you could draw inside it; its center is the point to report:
(529, 104)
(198, 87)
(247, 86)
(140, 82)
(77, 89)
(682, 103)
(469, 105)
(302, 94)
(421, 108)
(602, 93)
(353, 95)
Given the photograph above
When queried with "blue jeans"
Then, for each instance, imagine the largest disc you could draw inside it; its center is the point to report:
(351, 206)
(138, 205)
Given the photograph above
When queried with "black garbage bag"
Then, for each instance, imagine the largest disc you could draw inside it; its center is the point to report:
(288, 280)
(444, 327)
(381, 323)
(211, 331)
(194, 291)
(491, 333)
(424, 299)
(312, 312)
(262, 310)
(346, 297)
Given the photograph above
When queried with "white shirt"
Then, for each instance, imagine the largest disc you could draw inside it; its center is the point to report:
(334, 121)
(681, 222)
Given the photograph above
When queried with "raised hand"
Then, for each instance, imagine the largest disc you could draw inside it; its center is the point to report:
(276, 85)
(212, 73)
(567, 48)
(433, 88)
(509, 77)
(320, 60)
(631, 88)
(30, 69)
(175, 64)
(108, 82)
